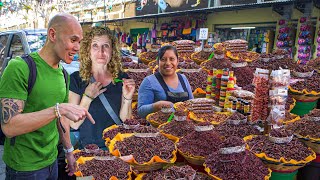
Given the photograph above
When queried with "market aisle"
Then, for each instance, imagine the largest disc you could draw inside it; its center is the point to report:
(2, 165)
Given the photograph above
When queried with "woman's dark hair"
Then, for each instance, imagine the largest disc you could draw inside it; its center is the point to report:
(163, 50)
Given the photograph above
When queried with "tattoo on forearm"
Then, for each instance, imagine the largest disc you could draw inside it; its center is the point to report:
(10, 108)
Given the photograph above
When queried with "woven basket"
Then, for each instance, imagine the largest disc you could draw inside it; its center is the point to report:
(196, 160)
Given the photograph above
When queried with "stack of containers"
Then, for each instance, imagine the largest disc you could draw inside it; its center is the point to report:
(209, 85)
(223, 87)
(216, 84)
(230, 88)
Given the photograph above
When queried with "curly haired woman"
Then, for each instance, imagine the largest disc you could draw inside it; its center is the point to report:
(94, 85)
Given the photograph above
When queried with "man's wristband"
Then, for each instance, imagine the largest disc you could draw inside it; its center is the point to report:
(68, 150)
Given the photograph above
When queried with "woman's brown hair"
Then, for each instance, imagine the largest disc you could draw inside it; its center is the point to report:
(114, 66)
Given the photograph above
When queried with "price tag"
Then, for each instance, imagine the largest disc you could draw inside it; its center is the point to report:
(203, 34)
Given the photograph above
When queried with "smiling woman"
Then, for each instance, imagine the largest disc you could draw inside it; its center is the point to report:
(165, 87)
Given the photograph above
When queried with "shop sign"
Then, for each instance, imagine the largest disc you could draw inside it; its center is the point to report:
(202, 34)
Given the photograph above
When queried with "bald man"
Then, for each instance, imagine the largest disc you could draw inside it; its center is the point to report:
(31, 121)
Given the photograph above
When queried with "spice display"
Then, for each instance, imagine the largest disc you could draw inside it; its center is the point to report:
(147, 57)
(294, 149)
(84, 153)
(159, 117)
(241, 164)
(146, 129)
(126, 61)
(131, 122)
(186, 56)
(138, 77)
(200, 105)
(310, 84)
(274, 64)
(236, 45)
(289, 102)
(244, 75)
(200, 56)
(188, 66)
(289, 117)
(91, 147)
(144, 148)
(180, 106)
(216, 64)
(196, 79)
(315, 63)
(202, 176)
(280, 132)
(178, 128)
(241, 130)
(173, 172)
(210, 117)
(137, 66)
(303, 68)
(200, 143)
(306, 127)
(236, 116)
(249, 87)
(112, 132)
(248, 55)
(105, 169)
(314, 113)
